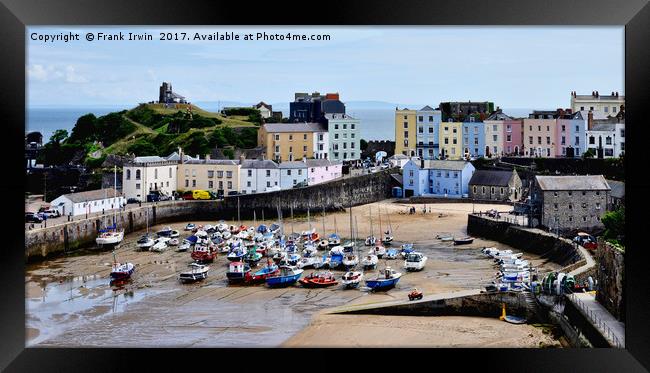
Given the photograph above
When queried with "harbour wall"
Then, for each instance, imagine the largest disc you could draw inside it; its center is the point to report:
(558, 250)
(461, 304)
(331, 196)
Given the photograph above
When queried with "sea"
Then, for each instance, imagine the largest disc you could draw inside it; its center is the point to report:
(376, 123)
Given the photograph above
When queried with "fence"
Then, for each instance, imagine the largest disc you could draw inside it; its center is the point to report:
(598, 322)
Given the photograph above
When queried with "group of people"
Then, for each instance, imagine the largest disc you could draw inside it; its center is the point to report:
(412, 210)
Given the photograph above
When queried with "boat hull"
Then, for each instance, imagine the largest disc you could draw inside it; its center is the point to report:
(378, 285)
(283, 280)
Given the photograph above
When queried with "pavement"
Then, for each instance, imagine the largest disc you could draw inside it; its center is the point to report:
(612, 329)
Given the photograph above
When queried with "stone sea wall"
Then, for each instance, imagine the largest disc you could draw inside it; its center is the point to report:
(331, 196)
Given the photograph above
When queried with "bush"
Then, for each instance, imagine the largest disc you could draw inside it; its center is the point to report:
(142, 147)
(614, 222)
(241, 111)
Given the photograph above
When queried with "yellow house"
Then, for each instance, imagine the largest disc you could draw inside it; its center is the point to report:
(293, 141)
(208, 174)
(405, 132)
(450, 140)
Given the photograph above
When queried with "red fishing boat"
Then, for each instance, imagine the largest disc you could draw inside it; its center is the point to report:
(203, 254)
(318, 280)
(271, 269)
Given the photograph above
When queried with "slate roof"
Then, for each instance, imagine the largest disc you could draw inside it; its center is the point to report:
(320, 162)
(176, 157)
(491, 178)
(498, 115)
(149, 159)
(293, 165)
(258, 163)
(294, 127)
(92, 195)
(579, 182)
(618, 189)
(444, 165)
(227, 162)
(603, 127)
(427, 108)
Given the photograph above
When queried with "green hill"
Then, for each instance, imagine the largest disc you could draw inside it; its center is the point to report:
(151, 129)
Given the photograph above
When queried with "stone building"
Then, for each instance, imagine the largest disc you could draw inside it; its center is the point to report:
(570, 202)
(495, 185)
(168, 96)
(611, 278)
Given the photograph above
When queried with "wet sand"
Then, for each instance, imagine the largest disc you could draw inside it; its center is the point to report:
(70, 302)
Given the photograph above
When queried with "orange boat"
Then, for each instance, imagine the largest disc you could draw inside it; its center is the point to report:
(319, 280)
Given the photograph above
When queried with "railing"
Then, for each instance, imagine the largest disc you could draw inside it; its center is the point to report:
(599, 323)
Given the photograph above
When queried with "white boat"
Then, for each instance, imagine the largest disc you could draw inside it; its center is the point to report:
(195, 273)
(112, 237)
(378, 250)
(415, 261)
(209, 228)
(222, 227)
(323, 244)
(308, 261)
(226, 235)
(145, 242)
(350, 260)
(309, 250)
(173, 242)
(337, 250)
(184, 246)
(160, 245)
(174, 234)
(190, 226)
(370, 241)
(388, 238)
(369, 261)
(351, 279)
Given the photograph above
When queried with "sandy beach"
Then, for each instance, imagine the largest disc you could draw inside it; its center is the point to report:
(70, 302)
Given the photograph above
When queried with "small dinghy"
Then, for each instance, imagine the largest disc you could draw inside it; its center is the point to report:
(222, 227)
(369, 261)
(385, 280)
(274, 228)
(445, 237)
(174, 234)
(407, 248)
(510, 318)
(165, 232)
(307, 262)
(348, 247)
(237, 272)
(252, 257)
(391, 254)
(415, 261)
(236, 254)
(318, 280)
(335, 260)
(288, 275)
(351, 279)
(323, 244)
(370, 241)
(184, 246)
(293, 259)
(195, 273)
(378, 250)
(173, 242)
(463, 240)
(309, 250)
(190, 227)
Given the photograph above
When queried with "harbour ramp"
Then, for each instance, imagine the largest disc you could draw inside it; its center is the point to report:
(474, 302)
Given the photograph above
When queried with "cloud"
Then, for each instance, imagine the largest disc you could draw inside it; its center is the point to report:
(42, 73)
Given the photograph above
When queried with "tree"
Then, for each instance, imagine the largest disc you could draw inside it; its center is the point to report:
(59, 136)
(142, 147)
(363, 144)
(84, 130)
(197, 144)
(614, 222)
(589, 154)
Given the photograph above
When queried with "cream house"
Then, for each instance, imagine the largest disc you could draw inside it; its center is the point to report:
(217, 175)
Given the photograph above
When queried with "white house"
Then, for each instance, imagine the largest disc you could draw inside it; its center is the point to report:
(266, 111)
(146, 174)
(292, 174)
(608, 137)
(322, 170)
(344, 137)
(399, 160)
(257, 176)
(434, 178)
(101, 200)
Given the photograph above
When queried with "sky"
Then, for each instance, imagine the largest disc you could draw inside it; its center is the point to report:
(514, 67)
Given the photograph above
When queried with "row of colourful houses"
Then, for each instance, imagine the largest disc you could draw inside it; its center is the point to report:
(179, 172)
(474, 130)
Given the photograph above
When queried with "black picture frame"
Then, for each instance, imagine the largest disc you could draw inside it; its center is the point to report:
(635, 15)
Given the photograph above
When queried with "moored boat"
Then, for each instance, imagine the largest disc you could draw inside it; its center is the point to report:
(334, 240)
(165, 232)
(369, 261)
(260, 276)
(387, 279)
(145, 242)
(195, 273)
(350, 261)
(351, 279)
(121, 271)
(237, 272)
(463, 240)
(318, 280)
(190, 227)
(203, 254)
(288, 275)
(323, 244)
(160, 244)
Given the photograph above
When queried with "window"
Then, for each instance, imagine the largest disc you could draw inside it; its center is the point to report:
(447, 174)
(494, 138)
(250, 173)
(420, 129)
(230, 185)
(465, 140)
(137, 186)
(622, 132)
(446, 140)
(210, 184)
(474, 189)
(584, 218)
(406, 125)
(454, 141)
(291, 149)
(290, 137)
(530, 140)
(193, 183)
(483, 190)
(539, 140)
(570, 193)
(304, 136)
(591, 108)
(187, 183)
(420, 118)
(608, 140)
(592, 140)
(277, 137)
(454, 130)
(613, 109)
(438, 173)
(277, 148)
(210, 173)
(582, 108)
(430, 118)
(597, 205)
(351, 126)
(508, 137)
(492, 190)
(570, 206)
(345, 126)
(563, 140)
(577, 140)
(304, 148)
(430, 129)
(128, 174)
(220, 173)
(170, 172)
(268, 173)
(336, 126)
(137, 174)
(494, 127)
(248, 184)
(606, 109)
(476, 141)
(508, 128)
(221, 184)
(193, 172)
(155, 173)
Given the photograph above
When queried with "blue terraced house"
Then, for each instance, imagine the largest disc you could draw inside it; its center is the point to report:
(436, 178)
(473, 138)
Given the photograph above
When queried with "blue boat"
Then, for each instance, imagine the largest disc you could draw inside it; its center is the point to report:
(391, 254)
(236, 255)
(387, 280)
(293, 259)
(262, 229)
(288, 276)
(335, 260)
(407, 248)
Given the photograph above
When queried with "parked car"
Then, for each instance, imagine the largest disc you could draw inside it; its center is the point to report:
(31, 217)
(49, 213)
(132, 200)
(233, 193)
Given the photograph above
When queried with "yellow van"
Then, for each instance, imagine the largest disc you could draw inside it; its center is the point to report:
(201, 194)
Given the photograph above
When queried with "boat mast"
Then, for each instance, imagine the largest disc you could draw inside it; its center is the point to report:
(371, 233)
(115, 195)
(380, 231)
(336, 230)
(238, 214)
(292, 219)
(351, 230)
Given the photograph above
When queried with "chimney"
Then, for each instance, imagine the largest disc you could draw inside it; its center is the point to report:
(593, 93)
(616, 94)
(180, 154)
(590, 120)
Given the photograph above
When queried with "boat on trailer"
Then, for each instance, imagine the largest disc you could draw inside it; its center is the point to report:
(384, 281)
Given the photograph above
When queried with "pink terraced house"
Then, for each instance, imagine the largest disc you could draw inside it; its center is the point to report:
(322, 170)
(513, 137)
